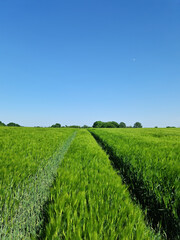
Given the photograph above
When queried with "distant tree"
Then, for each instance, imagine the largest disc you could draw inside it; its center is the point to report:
(156, 127)
(2, 124)
(97, 124)
(129, 126)
(108, 125)
(170, 127)
(122, 125)
(137, 125)
(100, 124)
(57, 125)
(11, 124)
(85, 126)
(111, 124)
(115, 124)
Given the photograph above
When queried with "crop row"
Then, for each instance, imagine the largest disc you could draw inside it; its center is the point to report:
(29, 159)
(88, 199)
(149, 162)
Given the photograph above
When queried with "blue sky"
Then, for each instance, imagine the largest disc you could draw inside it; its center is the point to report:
(76, 62)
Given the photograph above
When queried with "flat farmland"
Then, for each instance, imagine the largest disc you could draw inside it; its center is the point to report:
(89, 184)
(148, 160)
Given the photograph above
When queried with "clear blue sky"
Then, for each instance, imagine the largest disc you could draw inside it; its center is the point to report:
(76, 62)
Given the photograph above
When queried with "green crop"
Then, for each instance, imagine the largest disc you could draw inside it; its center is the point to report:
(88, 199)
(29, 159)
(60, 184)
(149, 161)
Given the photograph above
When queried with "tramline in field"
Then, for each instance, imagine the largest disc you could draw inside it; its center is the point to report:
(29, 159)
(149, 162)
(88, 199)
(60, 184)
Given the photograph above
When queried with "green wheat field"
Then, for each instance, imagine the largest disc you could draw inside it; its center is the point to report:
(89, 183)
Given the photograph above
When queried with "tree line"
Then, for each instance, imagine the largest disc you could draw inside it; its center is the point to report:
(100, 124)
(11, 124)
(113, 124)
(97, 124)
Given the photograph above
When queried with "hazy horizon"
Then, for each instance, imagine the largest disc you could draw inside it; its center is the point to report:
(90, 125)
